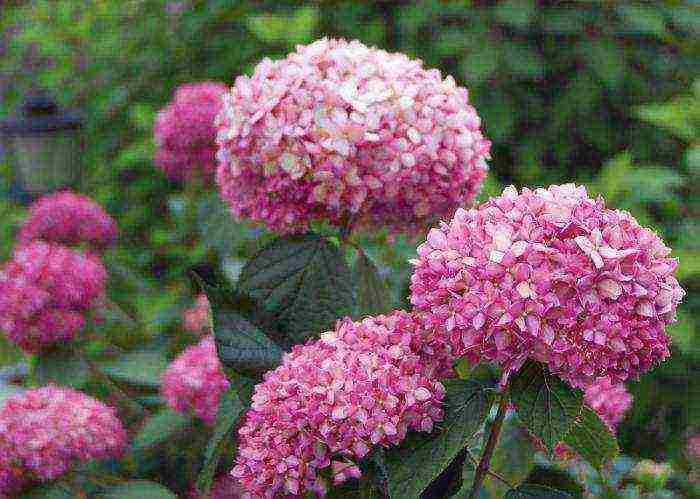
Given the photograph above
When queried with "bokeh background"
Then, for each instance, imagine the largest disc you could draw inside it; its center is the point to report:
(601, 93)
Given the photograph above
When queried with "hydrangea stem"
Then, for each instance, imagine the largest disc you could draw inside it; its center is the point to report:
(483, 468)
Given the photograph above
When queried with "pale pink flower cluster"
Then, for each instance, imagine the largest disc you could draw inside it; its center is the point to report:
(552, 275)
(45, 432)
(609, 400)
(330, 401)
(194, 381)
(185, 134)
(46, 290)
(340, 131)
(197, 319)
(70, 219)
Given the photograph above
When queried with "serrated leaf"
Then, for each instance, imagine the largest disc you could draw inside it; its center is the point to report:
(302, 281)
(546, 405)
(62, 368)
(421, 458)
(592, 439)
(139, 368)
(230, 410)
(373, 297)
(159, 428)
(532, 491)
(137, 489)
(241, 344)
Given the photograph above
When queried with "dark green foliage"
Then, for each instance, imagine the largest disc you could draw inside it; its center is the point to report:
(302, 281)
(592, 439)
(536, 492)
(373, 295)
(546, 405)
(421, 458)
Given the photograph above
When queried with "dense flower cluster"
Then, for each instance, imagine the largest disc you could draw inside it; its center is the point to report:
(339, 130)
(609, 400)
(330, 401)
(184, 131)
(553, 275)
(69, 218)
(198, 318)
(46, 291)
(194, 381)
(44, 432)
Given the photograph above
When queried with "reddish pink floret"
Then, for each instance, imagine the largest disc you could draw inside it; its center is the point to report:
(553, 275)
(330, 401)
(70, 219)
(185, 134)
(46, 290)
(45, 432)
(194, 381)
(198, 318)
(340, 131)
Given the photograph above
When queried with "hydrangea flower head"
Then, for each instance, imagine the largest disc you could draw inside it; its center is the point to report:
(611, 401)
(340, 131)
(553, 275)
(69, 218)
(198, 318)
(46, 291)
(194, 381)
(330, 401)
(45, 432)
(185, 134)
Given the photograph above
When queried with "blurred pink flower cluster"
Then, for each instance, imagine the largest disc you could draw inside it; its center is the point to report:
(553, 275)
(185, 133)
(45, 432)
(70, 219)
(46, 291)
(339, 131)
(611, 401)
(194, 381)
(330, 401)
(197, 319)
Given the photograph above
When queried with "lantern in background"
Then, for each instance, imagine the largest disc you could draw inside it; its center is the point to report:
(44, 144)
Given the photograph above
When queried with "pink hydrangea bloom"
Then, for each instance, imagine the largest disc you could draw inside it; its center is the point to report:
(69, 218)
(330, 401)
(184, 131)
(46, 291)
(553, 275)
(694, 448)
(609, 400)
(194, 381)
(45, 432)
(340, 131)
(198, 318)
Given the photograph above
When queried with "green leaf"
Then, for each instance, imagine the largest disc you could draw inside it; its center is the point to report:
(643, 19)
(373, 297)
(536, 491)
(241, 344)
(62, 368)
(50, 491)
(421, 458)
(517, 13)
(138, 368)
(546, 405)
(231, 408)
(294, 29)
(159, 428)
(592, 439)
(302, 281)
(138, 489)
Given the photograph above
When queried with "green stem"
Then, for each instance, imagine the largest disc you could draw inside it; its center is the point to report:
(483, 468)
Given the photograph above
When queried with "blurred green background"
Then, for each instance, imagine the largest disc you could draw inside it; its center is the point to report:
(601, 93)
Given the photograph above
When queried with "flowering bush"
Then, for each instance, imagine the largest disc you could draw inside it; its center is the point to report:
(185, 134)
(69, 219)
(345, 133)
(46, 291)
(553, 275)
(330, 401)
(194, 381)
(44, 432)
